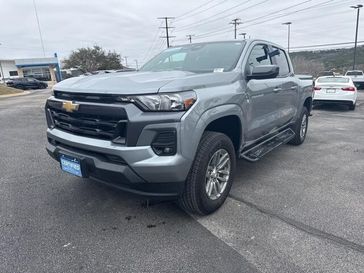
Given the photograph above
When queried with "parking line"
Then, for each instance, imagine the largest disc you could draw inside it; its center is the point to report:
(303, 227)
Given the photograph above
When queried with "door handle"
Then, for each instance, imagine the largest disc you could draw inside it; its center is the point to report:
(277, 89)
(294, 87)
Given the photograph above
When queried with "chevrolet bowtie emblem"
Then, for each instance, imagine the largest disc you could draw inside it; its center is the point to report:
(69, 106)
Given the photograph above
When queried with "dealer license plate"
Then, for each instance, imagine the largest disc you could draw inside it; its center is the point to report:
(71, 165)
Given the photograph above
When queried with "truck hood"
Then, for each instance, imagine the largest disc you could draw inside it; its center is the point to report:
(133, 83)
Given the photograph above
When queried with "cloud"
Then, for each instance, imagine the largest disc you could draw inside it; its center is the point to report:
(131, 28)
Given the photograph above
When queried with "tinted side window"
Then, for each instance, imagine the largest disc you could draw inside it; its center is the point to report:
(259, 56)
(281, 60)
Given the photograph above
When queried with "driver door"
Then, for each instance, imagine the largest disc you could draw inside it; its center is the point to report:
(261, 95)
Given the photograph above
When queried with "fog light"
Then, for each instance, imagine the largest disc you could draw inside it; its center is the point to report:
(165, 143)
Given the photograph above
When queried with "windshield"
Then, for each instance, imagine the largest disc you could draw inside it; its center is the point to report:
(333, 80)
(199, 58)
(354, 73)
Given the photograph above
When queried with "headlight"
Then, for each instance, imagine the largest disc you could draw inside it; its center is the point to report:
(166, 102)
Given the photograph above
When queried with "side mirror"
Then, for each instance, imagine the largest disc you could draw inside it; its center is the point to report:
(264, 72)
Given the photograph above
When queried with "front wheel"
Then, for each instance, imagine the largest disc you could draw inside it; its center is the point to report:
(300, 128)
(211, 176)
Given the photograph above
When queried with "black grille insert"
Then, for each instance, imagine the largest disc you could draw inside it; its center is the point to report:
(91, 121)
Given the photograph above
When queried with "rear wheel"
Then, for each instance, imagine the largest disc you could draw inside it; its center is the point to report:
(352, 106)
(300, 128)
(211, 176)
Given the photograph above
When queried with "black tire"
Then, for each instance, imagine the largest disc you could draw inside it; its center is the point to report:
(300, 138)
(195, 198)
(352, 106)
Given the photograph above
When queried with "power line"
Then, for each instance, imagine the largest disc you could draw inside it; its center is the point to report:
(193, 13)
(167, 37)
(208, 19)
(275, 12)
(218, 31)
(200, 6)
(153, 44)
(289, 13)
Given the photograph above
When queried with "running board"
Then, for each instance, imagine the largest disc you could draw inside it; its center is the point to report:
(257, 152)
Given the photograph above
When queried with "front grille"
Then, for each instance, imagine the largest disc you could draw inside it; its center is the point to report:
(95, 121)
(98, 98)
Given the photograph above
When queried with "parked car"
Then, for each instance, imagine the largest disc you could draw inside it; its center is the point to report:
(338, 90)
(358, 78)
(27, 83)
(175, 128)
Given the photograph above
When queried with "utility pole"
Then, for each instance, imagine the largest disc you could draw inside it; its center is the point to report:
(1, 70)
(357, 7)
(243, 34)
(189, 37)
(235, 22)
(136, 64)
(126, 61)
(289, 33)
(166, 27)
(40, 32)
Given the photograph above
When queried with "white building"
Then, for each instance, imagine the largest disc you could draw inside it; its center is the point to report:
(39, 68)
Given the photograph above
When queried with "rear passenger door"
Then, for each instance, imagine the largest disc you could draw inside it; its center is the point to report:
(261, 93)
(287, 95)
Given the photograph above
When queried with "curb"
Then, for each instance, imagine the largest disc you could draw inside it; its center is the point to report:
(14, 95)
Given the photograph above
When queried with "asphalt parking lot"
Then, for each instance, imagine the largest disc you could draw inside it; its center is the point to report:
(299, 209)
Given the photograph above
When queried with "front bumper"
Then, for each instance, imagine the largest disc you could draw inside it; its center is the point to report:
(134, 169)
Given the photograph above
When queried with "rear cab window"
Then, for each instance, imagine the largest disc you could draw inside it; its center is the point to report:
(333, 80)
(280, 58)
(354, 73)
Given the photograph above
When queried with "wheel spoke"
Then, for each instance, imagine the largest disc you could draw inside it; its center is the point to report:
(223, 158)
(216, 191)
(218, 186)
(223, 179)
(209, 187)
(223, 163)
(224, 172)
(215, 159)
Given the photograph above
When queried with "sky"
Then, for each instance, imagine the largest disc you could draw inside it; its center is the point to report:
(131, 28)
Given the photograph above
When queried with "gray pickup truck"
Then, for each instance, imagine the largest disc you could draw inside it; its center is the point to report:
(175, 128)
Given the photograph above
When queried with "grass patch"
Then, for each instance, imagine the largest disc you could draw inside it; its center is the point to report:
(4, 90)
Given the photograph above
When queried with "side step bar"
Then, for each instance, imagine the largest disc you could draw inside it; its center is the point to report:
(257, 152)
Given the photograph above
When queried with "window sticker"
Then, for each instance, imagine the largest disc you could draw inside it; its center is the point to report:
(217, 70)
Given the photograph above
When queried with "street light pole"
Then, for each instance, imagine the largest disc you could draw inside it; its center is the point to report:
(243, 34)
(136, 64)
(357, 7)
(1, 69)
(289, 33)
